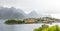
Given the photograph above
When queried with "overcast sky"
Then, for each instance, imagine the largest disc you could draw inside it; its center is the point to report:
(41, 6)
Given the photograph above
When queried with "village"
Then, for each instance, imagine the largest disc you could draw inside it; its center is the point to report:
(33, 21)
(40, 20)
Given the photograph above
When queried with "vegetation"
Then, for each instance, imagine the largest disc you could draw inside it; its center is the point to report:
(14, 22)
(47, 28)
(36, 20)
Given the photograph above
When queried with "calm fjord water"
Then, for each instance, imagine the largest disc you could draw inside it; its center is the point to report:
(20, 27)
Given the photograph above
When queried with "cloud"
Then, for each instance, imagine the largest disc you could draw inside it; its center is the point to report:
(41, 6)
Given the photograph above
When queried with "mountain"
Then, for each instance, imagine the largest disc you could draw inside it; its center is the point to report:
(22, 12)
(10, 13)
(33, 14)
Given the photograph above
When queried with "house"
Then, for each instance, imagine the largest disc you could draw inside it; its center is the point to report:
(45, 21)
(29, 21)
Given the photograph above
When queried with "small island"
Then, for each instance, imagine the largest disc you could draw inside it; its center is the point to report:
(14, 22)
(32, 20)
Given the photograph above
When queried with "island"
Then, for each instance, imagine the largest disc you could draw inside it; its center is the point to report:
(32, 20)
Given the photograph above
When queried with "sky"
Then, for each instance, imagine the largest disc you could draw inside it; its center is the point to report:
(51, 7)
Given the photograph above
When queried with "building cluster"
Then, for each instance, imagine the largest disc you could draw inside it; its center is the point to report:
(39, 20)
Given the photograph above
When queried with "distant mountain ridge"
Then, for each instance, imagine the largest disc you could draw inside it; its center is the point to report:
(11, 13)
(33, 14)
